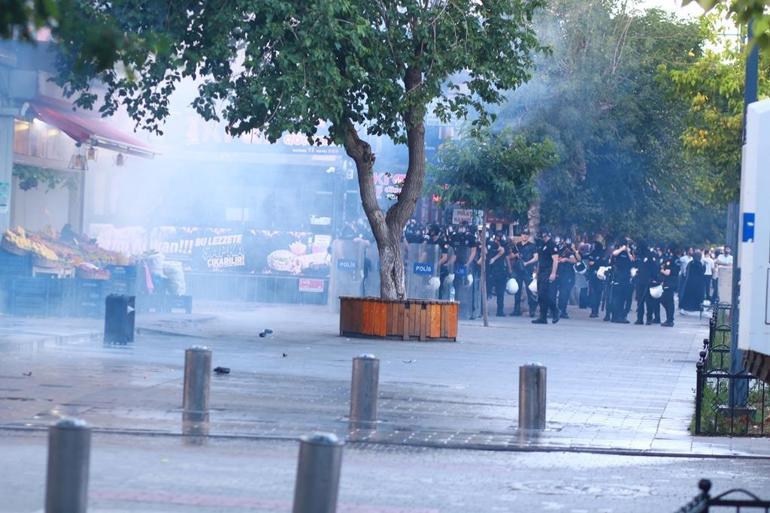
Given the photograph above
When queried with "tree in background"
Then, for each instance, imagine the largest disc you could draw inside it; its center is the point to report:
(491, 171)
(712, 86)
(617, 129)
(744, 12)
(357, 67)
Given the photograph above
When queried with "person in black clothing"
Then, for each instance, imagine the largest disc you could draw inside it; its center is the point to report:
(568, 257)
(647, 270)
(523, 272)
(594, 261)
(669, 274)
(622, 261)
(437, 238)
(547, 265)
(464, 244)
(498, 271)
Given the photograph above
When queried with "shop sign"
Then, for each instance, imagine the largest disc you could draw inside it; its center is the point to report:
(423, 269)
(312, 285)
(467, 215)
(344, 264)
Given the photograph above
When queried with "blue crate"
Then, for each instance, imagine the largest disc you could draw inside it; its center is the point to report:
(15, 265)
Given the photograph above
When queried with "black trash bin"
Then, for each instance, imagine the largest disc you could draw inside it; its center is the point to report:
(119, 318)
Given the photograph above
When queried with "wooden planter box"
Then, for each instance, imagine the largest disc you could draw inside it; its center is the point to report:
(415, 319)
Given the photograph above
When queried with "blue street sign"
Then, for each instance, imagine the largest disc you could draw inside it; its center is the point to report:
(748, 226)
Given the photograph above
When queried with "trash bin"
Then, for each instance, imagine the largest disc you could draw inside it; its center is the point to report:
(119, 318)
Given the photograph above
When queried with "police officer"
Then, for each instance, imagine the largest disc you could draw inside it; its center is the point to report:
(647, 266)
(669, 275)
(497, 268)
(622, 262)
(568, 257)
(594, 261)
(464, 245)
(547, 267)
(527, 251)
(437, 238)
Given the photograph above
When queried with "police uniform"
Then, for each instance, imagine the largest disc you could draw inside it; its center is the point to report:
(621, 286)
(523, 274)
(648, 269)
(594, 261)
(565, 278)
(464, 245)
(546, 289)
(670, 263)
(498, 273)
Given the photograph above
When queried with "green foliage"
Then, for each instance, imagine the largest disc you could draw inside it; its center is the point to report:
(31, 177)
(292, 65)
(19, 19)
(615, 126)
(493, 171)
(713, 87)
(744, 12)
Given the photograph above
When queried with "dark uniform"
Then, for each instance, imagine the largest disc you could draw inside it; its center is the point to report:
(436, 238)
(498, 273)
(621, 285)
(523, 274)
(670, 263)
(594, 261)
(546, 289)
(464, 245)
(566, 278)
(647, 271)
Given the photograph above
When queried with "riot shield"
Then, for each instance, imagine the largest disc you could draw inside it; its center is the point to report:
(463, 282)
(371, 271)
(347, 271)
(421, 267)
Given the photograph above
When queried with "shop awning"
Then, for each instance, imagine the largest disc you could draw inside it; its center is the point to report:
(87, 129)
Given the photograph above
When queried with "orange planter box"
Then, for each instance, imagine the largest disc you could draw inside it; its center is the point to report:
(417, 319)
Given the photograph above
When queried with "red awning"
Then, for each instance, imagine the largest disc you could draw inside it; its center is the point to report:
(88, 129)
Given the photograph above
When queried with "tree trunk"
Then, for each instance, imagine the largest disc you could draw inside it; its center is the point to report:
(389, 228)
(483, 278)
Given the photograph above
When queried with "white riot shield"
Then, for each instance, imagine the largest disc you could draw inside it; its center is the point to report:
(347, 271)
(421, 268)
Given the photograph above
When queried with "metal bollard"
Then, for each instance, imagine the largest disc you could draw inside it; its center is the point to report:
(318, 474)
(532, 379)
(69, 450)
(364, 388)
(197, 378)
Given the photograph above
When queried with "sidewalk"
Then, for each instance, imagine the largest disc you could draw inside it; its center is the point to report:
(611, 388)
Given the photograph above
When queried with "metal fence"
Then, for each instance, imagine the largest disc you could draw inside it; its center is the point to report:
(727, 404)
(736, 499)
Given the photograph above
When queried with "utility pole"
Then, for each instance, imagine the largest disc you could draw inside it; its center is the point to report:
(739, 388)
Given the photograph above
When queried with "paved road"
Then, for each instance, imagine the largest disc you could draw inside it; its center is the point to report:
(152, 474)
(610, 386)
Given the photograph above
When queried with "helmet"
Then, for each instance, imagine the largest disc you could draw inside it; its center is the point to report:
(434, 283)
(469, 279)
(656, 292)
(533, 286)
(580, 267)
(601, 273)
(512, 287)
(450, 278)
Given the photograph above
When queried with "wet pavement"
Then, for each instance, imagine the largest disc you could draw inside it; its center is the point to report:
(611, 388)
(162, 474)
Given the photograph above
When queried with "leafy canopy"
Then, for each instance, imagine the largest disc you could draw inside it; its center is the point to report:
(491, 171)
(291, 65)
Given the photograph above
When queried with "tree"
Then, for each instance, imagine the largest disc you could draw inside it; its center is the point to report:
(375, 67)
(603, 101)
(713, 86)
(745, 12)
(491, 171)
(20, 19)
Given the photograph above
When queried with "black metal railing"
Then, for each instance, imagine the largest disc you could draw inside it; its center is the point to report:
(725, 403)
(740, 500)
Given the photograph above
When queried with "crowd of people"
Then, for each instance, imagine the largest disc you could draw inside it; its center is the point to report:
(548, 273)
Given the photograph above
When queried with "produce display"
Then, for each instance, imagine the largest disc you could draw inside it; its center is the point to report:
(49, 249)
